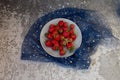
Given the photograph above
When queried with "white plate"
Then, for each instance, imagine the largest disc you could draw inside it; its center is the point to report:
(76, 43)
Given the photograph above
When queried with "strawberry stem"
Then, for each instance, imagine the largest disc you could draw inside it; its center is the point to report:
(71, 49)
(46, 34)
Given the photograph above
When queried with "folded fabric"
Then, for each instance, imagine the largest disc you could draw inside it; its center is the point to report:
(93, 29)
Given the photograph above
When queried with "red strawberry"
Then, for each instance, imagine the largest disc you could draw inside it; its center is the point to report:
(72, 26)
(51, 30)
(48, 43)
(49, 36)
(60, 23)
(73, 36)
(52, 26)
(55, 42)
(54, 33)
(57, 27)
(71, 48)
(65, 34)
(70, 40)
(57, 37)
(55, 47)
(69, 45)
(62, 43)
(60, 47)
(71, 31)
(65, 28)
(65, 24)
(62, 52)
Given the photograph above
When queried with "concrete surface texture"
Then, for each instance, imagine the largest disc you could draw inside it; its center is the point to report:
(16, 17)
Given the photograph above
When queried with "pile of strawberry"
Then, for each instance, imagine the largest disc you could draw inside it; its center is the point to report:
(60, 37)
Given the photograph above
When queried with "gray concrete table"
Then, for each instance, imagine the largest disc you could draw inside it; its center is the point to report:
(16, 17)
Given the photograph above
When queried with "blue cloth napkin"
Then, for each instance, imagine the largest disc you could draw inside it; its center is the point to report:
(93, 29)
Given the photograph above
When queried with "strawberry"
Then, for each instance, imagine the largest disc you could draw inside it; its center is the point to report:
(70, 40)
(49, 36)
(57, 44)
(57, 27)
(65, 28)
(57, 37)
(51, 30)
(60, 47)
(65, 34)
(48, 43)
(62, 52)
(55, 47)
(72, 26)
(69, 45)
(62, 43)
(54, 42)
(52, 26)
(60, 23)
(71, 31)
(65, 24)
(54, 33)
(73, 36)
